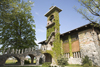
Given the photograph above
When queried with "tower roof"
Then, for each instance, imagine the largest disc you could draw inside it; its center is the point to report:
(52, 9)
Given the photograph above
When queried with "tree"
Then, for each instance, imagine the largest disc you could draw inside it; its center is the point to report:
(17, 28)
(90, 10)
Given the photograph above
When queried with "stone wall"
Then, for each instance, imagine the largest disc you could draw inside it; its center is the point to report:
(89, 45)
(72, 60)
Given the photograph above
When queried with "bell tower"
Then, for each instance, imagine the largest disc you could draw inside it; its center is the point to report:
(52, 21)
(52, 44)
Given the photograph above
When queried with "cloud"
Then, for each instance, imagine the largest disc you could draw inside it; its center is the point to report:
(37, 13)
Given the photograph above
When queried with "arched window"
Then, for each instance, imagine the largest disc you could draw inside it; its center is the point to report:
(51, 43)
(51, 17)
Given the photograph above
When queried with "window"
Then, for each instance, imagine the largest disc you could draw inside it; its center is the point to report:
(51, 43)
(51, 18)
(65, 39)
(74, 37)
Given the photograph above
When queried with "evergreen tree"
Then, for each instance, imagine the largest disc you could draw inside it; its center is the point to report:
(90, 10)
(17, 25)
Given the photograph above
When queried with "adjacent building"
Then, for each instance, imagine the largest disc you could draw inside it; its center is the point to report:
(74, 44)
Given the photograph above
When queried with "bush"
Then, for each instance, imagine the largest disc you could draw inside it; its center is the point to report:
(46, 64)
(86, 65)
(26, 62)
(62, 61)
(86, 61)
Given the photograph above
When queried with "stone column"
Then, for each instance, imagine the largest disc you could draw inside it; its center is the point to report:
(32, 48)
(74, 55)
(78, 54)
(12, 51)
(68, 55)
(25, 49)
(8, 51)
(37, 60)
(43, 57)
(29, 49)
(19, 51)
(16, 51)
(22, 51)
(22, 61)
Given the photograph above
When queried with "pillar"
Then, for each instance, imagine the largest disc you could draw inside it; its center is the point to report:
(12, 51)
(22, 61)
(8, 51)
(37, 60)
(68, 55)
(16, 51)
(19, 51)
(22, 51)
(78, 54)
(74, 55)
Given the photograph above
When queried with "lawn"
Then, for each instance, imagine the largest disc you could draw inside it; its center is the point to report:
(14, 61)
(74, 65)
(37, 66)
(20, 66)
(11, 61)
(41, 66)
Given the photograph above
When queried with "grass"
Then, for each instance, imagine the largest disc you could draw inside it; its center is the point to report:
(20, 66)
(14, 61)
(74, 65)
(11, 61)
(71, 65)
(36, 66)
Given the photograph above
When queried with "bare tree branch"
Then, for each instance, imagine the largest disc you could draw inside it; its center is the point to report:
(84, 15)
(90, 9)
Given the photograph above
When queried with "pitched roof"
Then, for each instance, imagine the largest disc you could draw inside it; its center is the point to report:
(87, 26)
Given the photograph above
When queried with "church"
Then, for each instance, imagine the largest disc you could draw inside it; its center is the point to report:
(74, 44)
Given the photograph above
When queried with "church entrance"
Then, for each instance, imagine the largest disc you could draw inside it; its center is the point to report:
(48, 57)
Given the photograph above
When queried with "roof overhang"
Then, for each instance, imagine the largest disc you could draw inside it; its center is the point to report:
(52, 10)
(87, 26)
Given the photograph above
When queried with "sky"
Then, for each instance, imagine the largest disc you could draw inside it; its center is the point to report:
(69, 17)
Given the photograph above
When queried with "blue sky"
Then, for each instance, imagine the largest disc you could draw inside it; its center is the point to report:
(69, 17)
